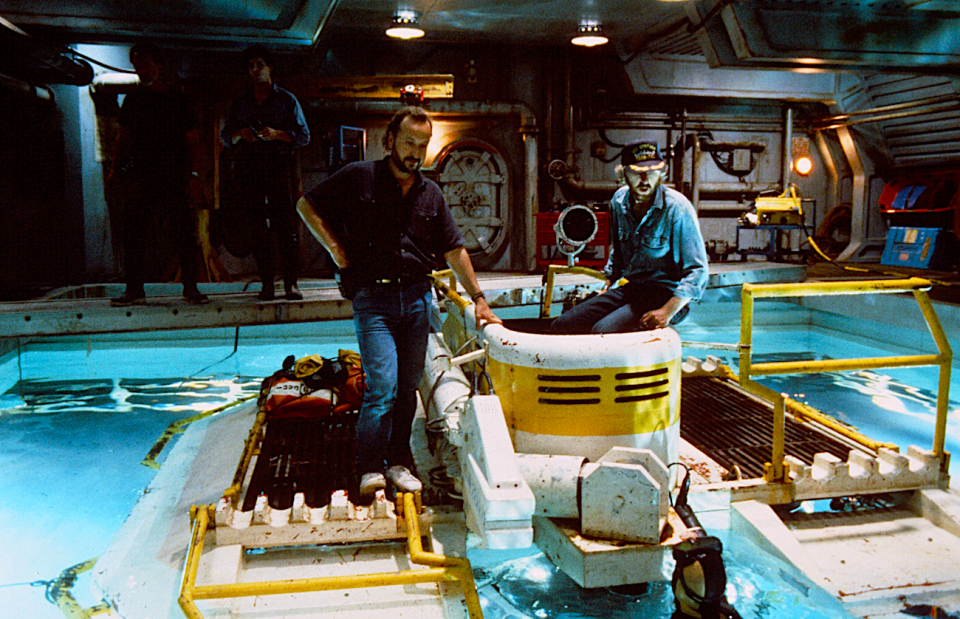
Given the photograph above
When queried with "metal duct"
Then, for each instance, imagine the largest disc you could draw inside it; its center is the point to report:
(927, 131)
(12, 83)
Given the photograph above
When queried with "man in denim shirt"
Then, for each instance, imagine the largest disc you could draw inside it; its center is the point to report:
(386, 227)
(657, 247)
(263, 127)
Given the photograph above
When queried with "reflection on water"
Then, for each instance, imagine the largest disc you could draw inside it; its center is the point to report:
(758, 586)
(124, 395)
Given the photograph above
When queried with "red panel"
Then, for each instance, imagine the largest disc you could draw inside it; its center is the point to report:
(595, 253)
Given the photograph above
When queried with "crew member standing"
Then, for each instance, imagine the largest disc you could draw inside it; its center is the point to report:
(158, 156)
(656, 246)
(386, 227)
(264, 126)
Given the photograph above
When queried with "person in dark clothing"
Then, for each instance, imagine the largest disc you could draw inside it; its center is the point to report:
(158, 154)
(386, 228)
(264, 126)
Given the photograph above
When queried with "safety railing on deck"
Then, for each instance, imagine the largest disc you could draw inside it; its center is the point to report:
(551, 274)
(440, 568)
(775, 470)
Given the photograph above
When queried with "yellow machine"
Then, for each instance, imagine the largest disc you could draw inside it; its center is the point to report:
(782, 210)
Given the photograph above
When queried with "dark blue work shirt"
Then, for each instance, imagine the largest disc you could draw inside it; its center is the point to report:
(385, 234)
(158, 122)
(279, 110)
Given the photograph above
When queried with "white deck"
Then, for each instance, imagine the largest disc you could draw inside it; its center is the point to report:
(140, 573)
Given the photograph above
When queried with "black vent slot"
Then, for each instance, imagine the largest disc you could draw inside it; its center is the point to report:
(569, 402)
(642, 398)
(569, 389)
(644, 374)
(659, 383)
(551, 378)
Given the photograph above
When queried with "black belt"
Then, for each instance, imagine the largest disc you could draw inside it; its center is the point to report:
(403, 280)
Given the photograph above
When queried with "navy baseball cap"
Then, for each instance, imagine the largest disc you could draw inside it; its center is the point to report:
(642, 155)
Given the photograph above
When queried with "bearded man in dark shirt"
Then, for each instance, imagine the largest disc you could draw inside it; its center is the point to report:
(386, 227)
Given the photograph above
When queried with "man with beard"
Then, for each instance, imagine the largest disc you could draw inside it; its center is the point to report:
(656, 246)
(386, 227)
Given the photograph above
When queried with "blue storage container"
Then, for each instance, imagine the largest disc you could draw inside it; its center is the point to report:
(918, 248)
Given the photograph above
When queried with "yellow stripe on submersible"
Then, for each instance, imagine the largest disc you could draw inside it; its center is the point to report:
(588, 401)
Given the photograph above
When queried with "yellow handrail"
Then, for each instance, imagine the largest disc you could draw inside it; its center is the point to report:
(441, 568)
(775, 469)
(449, 289)
(552, 271)
(250, 447)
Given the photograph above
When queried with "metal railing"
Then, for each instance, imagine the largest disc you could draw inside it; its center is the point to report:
(775, 469)
(440, 568)
(552, 272)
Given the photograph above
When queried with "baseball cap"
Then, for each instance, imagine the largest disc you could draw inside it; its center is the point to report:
(642, 155)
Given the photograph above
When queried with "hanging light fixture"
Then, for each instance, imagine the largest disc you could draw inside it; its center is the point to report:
(589, 35)
(404, 26)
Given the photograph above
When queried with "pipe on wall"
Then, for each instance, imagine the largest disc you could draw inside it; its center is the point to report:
(447, 107)
(12, 83)
(786, 161)
(114, 83)
(572, 179)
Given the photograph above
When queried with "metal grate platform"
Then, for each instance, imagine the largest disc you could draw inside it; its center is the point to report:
(314, 456)
(733, 428)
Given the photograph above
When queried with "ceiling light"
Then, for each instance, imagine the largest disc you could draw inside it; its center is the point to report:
(404, 26)
(589, 35)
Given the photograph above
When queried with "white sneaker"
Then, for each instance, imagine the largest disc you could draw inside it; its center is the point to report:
(403, 479)
(371, 482)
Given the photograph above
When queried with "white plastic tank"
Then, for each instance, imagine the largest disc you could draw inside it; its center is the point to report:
(580, 395)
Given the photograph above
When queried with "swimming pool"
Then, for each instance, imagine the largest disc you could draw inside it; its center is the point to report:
(77, 416)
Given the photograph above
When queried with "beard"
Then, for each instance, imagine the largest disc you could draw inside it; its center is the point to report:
(410, 164)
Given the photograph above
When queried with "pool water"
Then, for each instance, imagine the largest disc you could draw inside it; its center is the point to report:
(77, 417)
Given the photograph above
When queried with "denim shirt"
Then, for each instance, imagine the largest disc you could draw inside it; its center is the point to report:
(664, 248)
(279, 110)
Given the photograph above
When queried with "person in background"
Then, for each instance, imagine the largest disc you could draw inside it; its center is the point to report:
(386, 228)
(158, 156)
(263, 128)
(656, 246)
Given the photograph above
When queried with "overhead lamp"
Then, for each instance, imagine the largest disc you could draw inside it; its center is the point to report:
(589, 35)
(803, 165)
(404, 26)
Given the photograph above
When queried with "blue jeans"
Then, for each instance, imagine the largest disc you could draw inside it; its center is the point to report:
(618, 310)
(392, 324)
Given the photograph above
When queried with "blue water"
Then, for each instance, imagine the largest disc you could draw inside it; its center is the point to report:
(77, 416)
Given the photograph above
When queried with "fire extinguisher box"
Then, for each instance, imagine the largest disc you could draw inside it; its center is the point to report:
(918, 248)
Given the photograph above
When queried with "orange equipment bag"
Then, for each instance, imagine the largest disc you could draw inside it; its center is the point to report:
(314, 386)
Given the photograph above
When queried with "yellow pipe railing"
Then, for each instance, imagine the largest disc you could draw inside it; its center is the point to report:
(552, 271)
(440, 568)
(775, 470)
(250, 448)
(449, 289)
